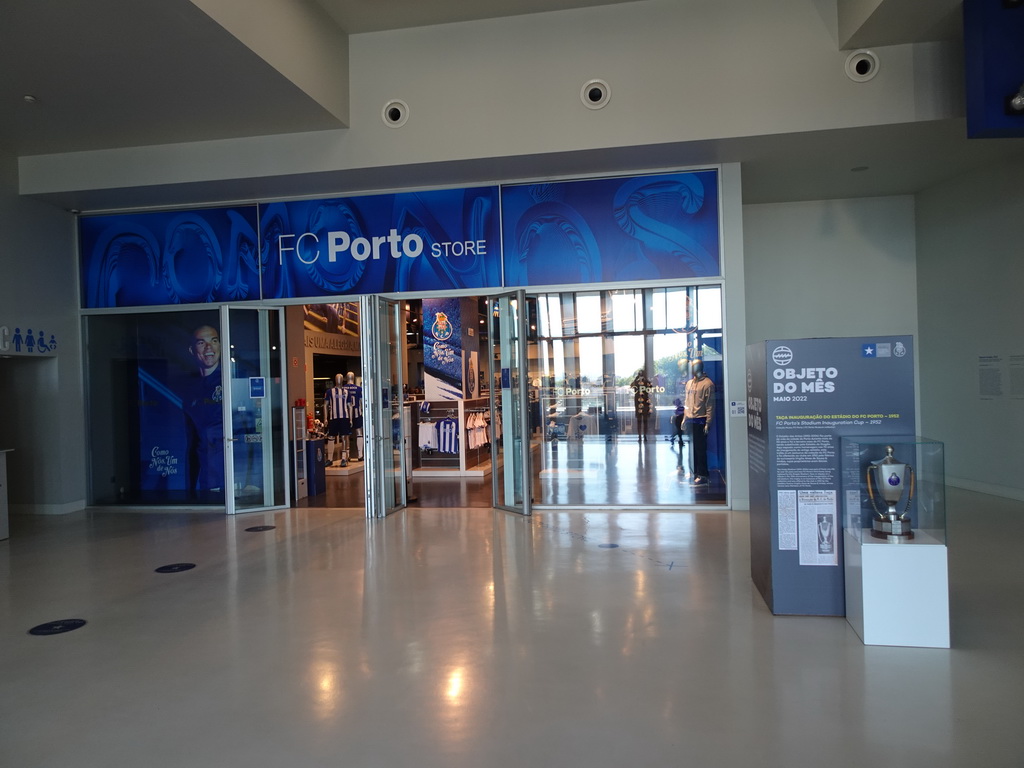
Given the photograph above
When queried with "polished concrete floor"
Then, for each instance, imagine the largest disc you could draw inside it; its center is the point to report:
(468, 637)
(597, 473)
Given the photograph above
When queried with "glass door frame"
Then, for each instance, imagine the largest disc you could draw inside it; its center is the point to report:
(282, 450)
(381, 331)
(520, 432)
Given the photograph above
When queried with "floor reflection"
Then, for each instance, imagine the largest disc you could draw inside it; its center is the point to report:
(469, 637)
(575, 473)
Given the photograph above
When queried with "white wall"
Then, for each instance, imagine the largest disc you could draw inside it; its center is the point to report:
(970, 276)
(508, 89)
(830, 268)
(42, 401)
(734, 387)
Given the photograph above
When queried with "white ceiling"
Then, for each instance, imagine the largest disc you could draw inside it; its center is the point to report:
(116, 73)
(120, 73)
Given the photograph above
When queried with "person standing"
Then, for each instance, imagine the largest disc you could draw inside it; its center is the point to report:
(677, 423)
(641, 387)
(699, 410)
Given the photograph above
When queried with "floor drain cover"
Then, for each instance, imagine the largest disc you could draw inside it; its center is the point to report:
(57, 627)
(607, 546)
(175, 567)
(258, 528)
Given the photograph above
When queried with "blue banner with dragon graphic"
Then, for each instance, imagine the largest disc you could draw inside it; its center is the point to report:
(169, 257)
(611, 230)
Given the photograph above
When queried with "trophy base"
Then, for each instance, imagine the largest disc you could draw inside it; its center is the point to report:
(891, 529)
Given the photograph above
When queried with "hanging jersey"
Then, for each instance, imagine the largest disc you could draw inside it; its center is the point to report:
(428, 436)
(448, 436)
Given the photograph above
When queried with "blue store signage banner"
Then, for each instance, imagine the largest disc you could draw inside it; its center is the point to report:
(562, 233)
(407, 241)
(610, 230)
(169, 257)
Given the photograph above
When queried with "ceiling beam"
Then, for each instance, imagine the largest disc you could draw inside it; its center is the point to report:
(298, 39)
(871, 23)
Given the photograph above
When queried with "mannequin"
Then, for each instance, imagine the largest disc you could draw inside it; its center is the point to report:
(699, 402)
(354, 410)
(642, 403)
(339, 427)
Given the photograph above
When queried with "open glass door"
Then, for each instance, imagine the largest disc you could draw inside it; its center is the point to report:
(255, 440)
(510, 448)
(383, 346)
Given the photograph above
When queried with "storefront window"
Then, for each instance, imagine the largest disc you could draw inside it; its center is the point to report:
(155, 392)
(610, 369)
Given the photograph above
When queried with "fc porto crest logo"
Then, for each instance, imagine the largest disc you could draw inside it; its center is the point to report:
(442, 329)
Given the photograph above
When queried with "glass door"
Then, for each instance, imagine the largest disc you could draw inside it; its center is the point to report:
(383, 344)
(510, 440)
(255, 438)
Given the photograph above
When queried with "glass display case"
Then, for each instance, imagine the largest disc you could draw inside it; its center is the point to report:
(894, 489)
(894, 534)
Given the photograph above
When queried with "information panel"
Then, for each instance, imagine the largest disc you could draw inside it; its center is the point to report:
(802, 396)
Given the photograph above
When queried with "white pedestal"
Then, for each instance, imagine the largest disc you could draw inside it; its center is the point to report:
(898, 594)
(353, 468)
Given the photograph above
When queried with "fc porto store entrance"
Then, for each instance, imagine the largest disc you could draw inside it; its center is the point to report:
(563, 341)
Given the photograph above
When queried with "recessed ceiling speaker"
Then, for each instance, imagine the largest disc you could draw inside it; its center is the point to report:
(861, 66)
(395, 113)
(595, 94)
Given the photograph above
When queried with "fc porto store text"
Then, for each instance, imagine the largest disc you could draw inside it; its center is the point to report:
(562, 341)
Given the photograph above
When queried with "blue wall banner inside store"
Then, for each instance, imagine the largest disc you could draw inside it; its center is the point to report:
(169, 257)
(442, 349)
(802, 396)
(608, 230)
(408, 241)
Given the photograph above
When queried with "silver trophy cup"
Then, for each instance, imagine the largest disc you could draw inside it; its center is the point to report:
(890, 478)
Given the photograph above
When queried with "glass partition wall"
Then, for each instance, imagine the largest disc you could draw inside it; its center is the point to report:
(185, 405)
(608, 373)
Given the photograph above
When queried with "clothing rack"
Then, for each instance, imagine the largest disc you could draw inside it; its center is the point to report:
(471, 462)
